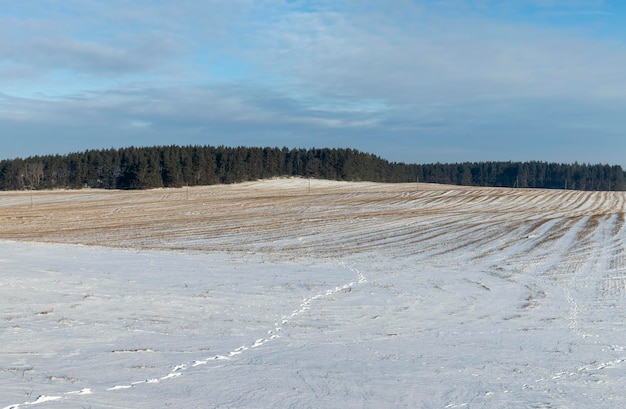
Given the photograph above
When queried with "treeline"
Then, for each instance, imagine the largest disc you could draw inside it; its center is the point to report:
(541, 175)
(176, 166)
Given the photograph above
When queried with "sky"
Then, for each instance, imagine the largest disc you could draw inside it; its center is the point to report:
(415, 81)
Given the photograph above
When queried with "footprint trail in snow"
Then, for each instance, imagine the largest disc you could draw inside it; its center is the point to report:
(179, 369)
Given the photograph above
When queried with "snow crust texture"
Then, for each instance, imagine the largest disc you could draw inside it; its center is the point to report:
(313, 294)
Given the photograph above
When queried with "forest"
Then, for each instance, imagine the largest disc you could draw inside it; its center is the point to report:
(176, 166)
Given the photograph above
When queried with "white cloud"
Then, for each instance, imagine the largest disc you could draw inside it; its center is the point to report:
(441, 60)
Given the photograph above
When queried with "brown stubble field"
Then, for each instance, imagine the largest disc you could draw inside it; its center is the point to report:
(302, 216)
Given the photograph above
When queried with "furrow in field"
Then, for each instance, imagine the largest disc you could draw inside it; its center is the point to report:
(539, 251)
(613, 283)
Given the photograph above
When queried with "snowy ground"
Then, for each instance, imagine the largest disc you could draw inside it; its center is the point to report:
(269, 294)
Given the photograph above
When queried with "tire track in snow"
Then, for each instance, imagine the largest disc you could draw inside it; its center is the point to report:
(180, 369)
(613, 284)
(585, 292)
(582, 248)
(580, 266)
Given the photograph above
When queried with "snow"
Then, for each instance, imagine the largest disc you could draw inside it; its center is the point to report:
(354, 296)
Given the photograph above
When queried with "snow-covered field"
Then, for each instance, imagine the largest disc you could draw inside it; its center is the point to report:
(337, 295)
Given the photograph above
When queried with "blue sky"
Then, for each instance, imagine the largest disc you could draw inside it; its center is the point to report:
(409, 80)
